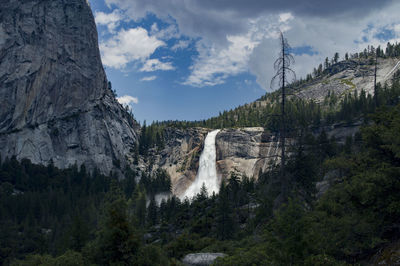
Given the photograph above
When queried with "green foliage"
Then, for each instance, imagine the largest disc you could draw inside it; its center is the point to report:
(69, 258)
(354, 218)
(150, 137)
(151, 255)
(116, 242)
(44, 209)
(226, 216)
(159, 182)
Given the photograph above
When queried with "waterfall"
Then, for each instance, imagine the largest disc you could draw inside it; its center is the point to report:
(207, 172)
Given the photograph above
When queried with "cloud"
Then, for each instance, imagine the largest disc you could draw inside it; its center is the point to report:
(154, 64)
(285, 17)
(128, 101)
(149, 78)
(325, 37)
(214, 65)
(181, 44)
(111, 20)
(216, 19)
(235, 36)
(167, 33)
(127, 46)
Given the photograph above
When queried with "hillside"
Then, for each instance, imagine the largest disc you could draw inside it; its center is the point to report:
(333, 101)
(327, 85)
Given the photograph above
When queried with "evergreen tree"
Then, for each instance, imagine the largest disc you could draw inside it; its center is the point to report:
(117, 242)
(152, 212)
(336, 58)
(225, 219)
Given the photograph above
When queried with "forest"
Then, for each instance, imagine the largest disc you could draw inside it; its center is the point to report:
(50, 216)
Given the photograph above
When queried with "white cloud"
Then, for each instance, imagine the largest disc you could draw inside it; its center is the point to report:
(128, 101)
(215, 64)
(167, 33)
(111, 20)
(127, 46)
(396, 29)
(285, 17)
(149, 78)
(234, 37)
(181, 44)
(155, 64)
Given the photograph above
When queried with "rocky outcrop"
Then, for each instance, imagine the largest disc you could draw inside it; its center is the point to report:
(56, 104)
(246, 151)
(180, 157)
(201, 259)
(348, 76)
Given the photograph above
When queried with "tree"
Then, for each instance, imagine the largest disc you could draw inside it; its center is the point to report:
(336, 58)
(152, 212)
(283, 70)
(375, 87)
(203, 195)
(326, 63)
(79, 233)
(225, 219)
(117, 242)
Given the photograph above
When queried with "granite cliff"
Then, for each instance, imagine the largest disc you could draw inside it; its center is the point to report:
(243, 151)
(55, 101)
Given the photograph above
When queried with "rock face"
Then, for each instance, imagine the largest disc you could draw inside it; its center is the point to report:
(351, 75)
(201, 259)
(246, 151)
(56, 104)
(242, 151)
(180, 157)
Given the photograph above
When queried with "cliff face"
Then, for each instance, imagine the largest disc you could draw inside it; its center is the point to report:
(246, 151)
(242, 151)
(351, 75)
(56, 104)
(180, 157)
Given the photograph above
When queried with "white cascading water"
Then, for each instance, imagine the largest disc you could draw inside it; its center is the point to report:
(207, 172)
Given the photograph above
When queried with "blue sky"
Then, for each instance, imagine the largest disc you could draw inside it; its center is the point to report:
(189, 60)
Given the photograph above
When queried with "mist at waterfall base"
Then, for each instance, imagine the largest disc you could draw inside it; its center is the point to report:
(207, 173)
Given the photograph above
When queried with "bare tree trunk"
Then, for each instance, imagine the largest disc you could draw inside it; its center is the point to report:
(283, 130)
(282, 66)
(375, 88)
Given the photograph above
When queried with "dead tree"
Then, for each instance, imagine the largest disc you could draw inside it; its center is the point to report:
(375, 88)
(283, 73)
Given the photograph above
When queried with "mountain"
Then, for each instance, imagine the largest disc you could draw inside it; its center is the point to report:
(332, 101)
(56, 102)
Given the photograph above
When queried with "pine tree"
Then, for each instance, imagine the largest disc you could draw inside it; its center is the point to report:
(117, 242)
(203, 195)
(79, 233)
(225, 220)
(282, 66)
(140, 208)
(152, 212)
(336, 58)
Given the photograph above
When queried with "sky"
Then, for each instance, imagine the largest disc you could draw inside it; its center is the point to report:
(191, 59)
